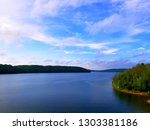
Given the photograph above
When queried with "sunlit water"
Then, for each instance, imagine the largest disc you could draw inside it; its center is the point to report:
(65, 92)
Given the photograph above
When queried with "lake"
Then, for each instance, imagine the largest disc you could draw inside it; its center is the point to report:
(66, 92)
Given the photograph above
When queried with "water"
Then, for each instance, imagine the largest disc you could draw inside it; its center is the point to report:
(65, 92)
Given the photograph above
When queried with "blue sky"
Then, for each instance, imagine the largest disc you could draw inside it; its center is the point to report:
(96, 34)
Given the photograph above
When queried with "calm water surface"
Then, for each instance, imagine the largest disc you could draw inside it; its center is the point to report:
(65, 92)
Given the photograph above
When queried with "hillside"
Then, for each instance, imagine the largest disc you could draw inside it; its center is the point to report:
(9, 69)
(136, 79)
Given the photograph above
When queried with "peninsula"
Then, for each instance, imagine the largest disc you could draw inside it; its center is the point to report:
(134, 81)
(9, 69)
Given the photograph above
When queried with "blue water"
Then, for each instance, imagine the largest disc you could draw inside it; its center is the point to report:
(65, 92)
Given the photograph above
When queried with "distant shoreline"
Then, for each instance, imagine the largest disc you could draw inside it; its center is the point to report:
(41, 73)
(9, 69)
(109, 70)
(132, 92)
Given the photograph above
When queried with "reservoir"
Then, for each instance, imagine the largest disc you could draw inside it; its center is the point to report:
(66, 92)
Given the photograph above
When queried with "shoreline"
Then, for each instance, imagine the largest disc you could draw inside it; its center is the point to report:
(42, 72)
(132, 92)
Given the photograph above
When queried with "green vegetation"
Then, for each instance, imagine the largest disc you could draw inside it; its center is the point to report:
(134, 79)
(9, 69)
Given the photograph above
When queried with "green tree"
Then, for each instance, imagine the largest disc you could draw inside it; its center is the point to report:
(136, 78)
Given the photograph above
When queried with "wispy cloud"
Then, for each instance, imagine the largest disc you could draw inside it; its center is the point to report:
(113, 30)
(55, 7)
(141, 48)
(111, 24)
(110, 51)
(131, 18)
(79, 52)
(11, 31)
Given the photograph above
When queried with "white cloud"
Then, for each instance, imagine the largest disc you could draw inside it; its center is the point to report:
(79, 52)
(92, 45)
(16, 24)
(110, 51)
(131, 18)
(114, 23)
(17, 21)
(82, 63)
(54, 7)
(14, 16)
(141, 48)
(64, 42)
(10, 31)
(136, 6)
(15, 9)
(117, 0)
(111, 64)
(133, 6)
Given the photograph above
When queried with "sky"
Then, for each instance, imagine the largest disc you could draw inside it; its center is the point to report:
(95, 34)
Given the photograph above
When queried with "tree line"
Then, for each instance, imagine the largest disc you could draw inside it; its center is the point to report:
(9, 69)
(136, 78)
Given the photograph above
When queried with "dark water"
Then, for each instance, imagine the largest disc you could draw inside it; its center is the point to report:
(65, 92)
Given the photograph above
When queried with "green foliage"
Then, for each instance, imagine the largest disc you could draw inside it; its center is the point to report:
(8, 69)
(136, 78)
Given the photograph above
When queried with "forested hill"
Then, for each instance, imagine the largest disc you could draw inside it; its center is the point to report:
(9, 69)
(136, 79)
(109, 70)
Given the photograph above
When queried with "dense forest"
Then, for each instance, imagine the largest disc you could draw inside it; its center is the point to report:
(9, 69)
(135, 79)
